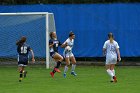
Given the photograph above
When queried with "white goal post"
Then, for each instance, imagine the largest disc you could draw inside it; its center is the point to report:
(48, 19)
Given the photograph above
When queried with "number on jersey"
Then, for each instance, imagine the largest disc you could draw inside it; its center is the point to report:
(23, 49)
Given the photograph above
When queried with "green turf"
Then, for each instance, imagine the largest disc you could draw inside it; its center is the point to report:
(90, 79)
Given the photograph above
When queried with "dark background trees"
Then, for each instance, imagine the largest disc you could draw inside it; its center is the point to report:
(14, 2)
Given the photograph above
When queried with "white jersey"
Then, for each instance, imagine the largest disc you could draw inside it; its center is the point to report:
(68, 48)
(70, 43)
(111, 50)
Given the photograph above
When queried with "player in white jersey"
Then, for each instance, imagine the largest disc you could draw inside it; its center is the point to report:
(111, 51)
(68, 55)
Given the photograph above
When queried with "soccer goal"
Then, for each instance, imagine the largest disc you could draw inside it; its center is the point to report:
(36, 26)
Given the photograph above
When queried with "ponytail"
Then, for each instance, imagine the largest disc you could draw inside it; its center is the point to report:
(111, 40)
(111, 37)
(21, 41)
(18, 42)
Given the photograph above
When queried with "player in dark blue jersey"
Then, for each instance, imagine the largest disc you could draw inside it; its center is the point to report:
(53, 45)
(23, 50)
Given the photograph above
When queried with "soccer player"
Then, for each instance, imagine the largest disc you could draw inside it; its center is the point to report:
(111, 51)
(53, 45)
(68, 55)
(23, 50)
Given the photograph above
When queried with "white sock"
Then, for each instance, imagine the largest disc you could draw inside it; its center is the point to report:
(112, 79)
(113, 71)
(110, 72)
(73, 67)
(65, 69)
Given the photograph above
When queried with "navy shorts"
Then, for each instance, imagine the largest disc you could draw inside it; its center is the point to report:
(52, 54)
(22, 61)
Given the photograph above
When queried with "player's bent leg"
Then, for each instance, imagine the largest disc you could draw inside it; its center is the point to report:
(72, 58)
(112, 66)
(52, 74)
(57, 65)
(20, 73)
(23, 69)
(24, 72)
(109, 71)
(112, 80)
(66, 66)
(58, 58)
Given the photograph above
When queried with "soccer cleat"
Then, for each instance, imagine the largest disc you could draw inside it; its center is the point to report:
(25, 74)
(115, 79)
(57, 70)
(73, 73)
(52, 74)
(111, 81)
(64, 75)
(20, 79)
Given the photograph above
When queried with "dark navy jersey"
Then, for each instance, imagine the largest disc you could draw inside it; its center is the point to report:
(23, 51)
(55, 46)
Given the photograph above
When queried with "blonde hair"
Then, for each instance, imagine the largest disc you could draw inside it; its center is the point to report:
(51, 35)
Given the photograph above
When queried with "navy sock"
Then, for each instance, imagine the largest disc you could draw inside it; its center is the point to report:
(53, 71)
(20, 75)
(58, 64)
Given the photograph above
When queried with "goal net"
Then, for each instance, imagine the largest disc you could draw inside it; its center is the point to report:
(35, 26)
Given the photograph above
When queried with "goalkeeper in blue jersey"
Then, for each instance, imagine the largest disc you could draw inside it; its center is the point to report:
(23, 50)
(53, 45)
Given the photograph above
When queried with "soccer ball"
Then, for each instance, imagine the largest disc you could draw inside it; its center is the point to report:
(68, 48)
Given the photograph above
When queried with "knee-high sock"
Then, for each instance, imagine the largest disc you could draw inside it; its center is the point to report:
(110, 72)
(21, 74)
(58, 64)
(73, 67)
(113, 71)
(65, 69)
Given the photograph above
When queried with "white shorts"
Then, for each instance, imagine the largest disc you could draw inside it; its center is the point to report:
(22, 65)
(67, 54)
(110, 60)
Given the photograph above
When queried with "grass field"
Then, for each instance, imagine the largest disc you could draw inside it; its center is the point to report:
(90, 79)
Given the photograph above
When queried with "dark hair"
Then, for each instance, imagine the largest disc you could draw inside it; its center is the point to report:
(110, 35)
(71, 34)
(21, 41)
(51, 33)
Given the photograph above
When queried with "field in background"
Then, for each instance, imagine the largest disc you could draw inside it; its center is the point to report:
(90, 79)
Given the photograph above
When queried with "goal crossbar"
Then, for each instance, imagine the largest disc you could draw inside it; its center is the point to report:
(47, 28)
